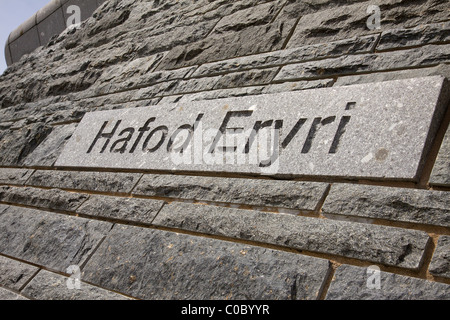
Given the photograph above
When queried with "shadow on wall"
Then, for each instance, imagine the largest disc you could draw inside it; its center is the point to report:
(51, 20)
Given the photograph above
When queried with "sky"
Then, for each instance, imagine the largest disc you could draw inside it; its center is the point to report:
(12, 14)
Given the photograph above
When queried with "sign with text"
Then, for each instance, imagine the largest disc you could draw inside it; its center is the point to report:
(377, 130)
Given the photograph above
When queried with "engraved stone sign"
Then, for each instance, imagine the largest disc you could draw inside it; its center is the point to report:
(377, 130)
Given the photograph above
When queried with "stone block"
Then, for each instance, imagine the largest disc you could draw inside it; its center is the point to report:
(379, 244)
(14, 176)
(427, 56)
(388, 203)
(357, 283)
(419, 36)
(8, 295)
(91, 181)
(50, 240)
(51, 286)
(440, 263)
(440, 176)
(125, 209)
(158, 265)
(53, 199)
(14, 274)
(255, 192)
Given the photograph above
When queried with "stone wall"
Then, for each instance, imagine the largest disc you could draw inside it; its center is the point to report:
(139, 234)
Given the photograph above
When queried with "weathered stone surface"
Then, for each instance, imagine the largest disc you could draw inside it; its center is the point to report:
(51, 240)
(421, 35)
(15, 274)
(397, 204)
(350, 283)
(128, 209)
(385, 245)
(343, 21)
(261, 193)
(50, 286)
(440, 264)
(16, 145)
(355, 140)
(440, 176)
(42, 198)
(304, 53)
(233, 37)
(350, 64)
(440, 70)
(14, 176)
(9, 295)
(92, 181)
(3, 208)
(48, 151)
(153, 264)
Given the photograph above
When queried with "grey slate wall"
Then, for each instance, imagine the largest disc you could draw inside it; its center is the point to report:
(154, 235)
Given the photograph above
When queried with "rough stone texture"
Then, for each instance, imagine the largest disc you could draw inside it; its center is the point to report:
(153, 264)
(50, 286)
(14, 274)
(424, 56)
(440, 70)
(50, 240)
(440, 176)
(344, 21)
(48, 151)
(93, 181)
(261, 193)
(9, 295)
(13, 176)
(16, 145)
(42, 198)
(126, 209)
(440, 264)
(276, 58)
(350, 283)
(423, 34)
(386, 245)
(396, 204)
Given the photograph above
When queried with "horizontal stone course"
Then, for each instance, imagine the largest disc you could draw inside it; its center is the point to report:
(14, 274)
(51, 286)
(355, 45)
(91, 181)
(261, 193)
(125, 209)
(440, 263)
(159, 265)
(14, 176)
(389, 203)
(357, 283)
(50, 240)
(418, 36)
(42, 198)
(380, 244)
(424, 56)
